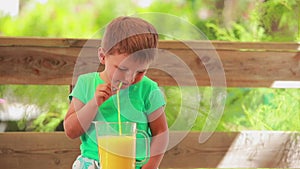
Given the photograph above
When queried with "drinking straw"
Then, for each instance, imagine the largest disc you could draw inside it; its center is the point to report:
(119, 110)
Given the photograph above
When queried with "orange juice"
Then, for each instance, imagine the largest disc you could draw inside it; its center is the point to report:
(116, 152)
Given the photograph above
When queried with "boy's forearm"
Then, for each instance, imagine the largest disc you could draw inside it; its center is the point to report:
(77, 123)
(87, 114)
(158, 148)
(153, 162)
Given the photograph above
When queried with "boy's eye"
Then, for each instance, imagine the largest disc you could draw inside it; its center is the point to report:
(122, 69)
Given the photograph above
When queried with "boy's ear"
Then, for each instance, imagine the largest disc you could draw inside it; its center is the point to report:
(101, 55)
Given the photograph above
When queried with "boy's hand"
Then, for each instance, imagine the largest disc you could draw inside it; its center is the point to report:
(102, 93)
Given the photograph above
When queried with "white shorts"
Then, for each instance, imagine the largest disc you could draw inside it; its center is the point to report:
(85, 163)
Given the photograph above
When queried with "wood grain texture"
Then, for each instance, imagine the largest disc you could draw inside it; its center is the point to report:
(232, 64)
(256, 149)
(37, 150)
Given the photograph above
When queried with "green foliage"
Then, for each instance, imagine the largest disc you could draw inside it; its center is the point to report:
(280, 18)
(238, 33)
(51, 100)
(49, 121)
(261, 109)
(279, 111)
(276, 20)
(82, 18)
(79, 18)
(173, 98)
(245, 109)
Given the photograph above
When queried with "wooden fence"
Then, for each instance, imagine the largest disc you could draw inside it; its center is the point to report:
(257, 149)
(60, 61)
(56, 61)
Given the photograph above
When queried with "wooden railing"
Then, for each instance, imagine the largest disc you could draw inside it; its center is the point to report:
(56, 61)
(60, 61)
(259, 149)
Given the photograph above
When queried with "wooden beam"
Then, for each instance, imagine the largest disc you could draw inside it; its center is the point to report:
(249, 149)
(256, 149)
(37, 150)
(235, 64)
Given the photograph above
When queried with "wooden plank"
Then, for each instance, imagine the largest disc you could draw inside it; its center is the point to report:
(249, 149)
(189, 153)
(256, 149)
(46, 42)
(58, 61)
(263, 149)
(37, 150)
(226, 45)
(165, 44)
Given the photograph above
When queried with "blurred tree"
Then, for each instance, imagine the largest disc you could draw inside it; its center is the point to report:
(247, 20)
(280, 18)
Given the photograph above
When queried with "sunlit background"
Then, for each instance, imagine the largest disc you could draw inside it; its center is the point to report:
(27, 108)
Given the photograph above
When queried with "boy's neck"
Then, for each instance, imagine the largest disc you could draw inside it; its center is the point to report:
(103, 76)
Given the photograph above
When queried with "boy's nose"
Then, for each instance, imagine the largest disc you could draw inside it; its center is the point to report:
(129, 77)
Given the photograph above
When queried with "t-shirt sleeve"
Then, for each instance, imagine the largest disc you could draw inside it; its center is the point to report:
(78, 90)
(155, 100)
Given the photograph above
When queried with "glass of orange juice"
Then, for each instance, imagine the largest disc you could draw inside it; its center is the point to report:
(117, 144)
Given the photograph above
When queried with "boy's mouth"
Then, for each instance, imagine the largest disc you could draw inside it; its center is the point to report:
(119, 86)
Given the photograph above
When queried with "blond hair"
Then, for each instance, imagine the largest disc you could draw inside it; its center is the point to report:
(132, 36)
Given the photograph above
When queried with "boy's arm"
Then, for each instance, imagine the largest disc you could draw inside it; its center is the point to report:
(74, 124)
(160, 138)
(80, 116)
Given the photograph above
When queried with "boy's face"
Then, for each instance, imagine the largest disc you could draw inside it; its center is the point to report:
(123, 68)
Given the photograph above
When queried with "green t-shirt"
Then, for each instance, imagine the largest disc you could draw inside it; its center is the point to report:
(136, 103)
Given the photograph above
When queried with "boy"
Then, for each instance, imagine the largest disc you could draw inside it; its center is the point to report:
(128, 47)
